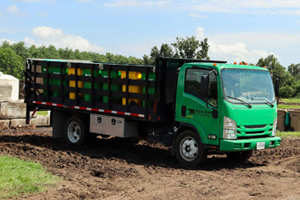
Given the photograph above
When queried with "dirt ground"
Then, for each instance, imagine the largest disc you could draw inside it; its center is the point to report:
(120, 169)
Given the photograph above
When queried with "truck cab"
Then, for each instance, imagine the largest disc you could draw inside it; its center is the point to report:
(224, 108)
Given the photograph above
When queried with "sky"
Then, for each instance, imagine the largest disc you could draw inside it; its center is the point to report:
(237, 30)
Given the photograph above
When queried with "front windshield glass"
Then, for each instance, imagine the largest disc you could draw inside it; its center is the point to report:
(251, 86)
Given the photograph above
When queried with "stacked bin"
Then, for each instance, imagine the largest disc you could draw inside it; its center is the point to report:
(113, 87)
(132, 88)
(72, 83)
(151, 90)
(56, 82)
(88, 72)
(295, 120)
(281, 114)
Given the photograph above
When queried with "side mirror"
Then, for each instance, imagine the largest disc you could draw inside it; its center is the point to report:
(204, 85)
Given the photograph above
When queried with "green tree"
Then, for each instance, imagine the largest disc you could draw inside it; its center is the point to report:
(286, 91)
(147, 60)
(5, 44)
(190, 47)
(286, 79)
(294, 70)
(203, 53)
(273, 65)
(33, 52)
(20, 49)
(154, 53)
(166, 51)
(11, 63)
(66, 53)
(275, 68)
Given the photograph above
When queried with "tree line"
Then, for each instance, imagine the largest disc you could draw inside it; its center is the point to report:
(13, 57)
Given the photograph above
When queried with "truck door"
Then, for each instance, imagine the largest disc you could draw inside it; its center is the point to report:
(194, 108)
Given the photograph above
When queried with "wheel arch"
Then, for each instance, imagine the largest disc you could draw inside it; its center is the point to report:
(187, 126)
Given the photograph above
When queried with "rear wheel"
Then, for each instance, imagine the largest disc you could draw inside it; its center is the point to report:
(75, 131)
(242, 156)
(189, 149)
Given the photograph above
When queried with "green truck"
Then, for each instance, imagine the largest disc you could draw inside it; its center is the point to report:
(197, 107)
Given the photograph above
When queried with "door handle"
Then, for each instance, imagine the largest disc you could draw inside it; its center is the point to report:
(183, 111)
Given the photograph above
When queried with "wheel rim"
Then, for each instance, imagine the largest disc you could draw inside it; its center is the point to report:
(189, 148)
(74, 132)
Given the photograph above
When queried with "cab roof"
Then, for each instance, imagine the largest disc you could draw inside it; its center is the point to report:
(220, 66)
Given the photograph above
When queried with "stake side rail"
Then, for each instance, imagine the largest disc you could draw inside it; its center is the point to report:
(48, 84)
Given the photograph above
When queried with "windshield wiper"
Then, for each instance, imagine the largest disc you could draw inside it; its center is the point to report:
(266, 101)
(244, 102)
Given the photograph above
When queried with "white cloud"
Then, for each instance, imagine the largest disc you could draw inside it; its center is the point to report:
(258, 44)
(84, 0)
(44, 35)
(234, 47)
(237, 51)
(12, 9)
(263, 39)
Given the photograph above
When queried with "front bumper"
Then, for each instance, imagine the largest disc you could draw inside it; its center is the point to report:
(248, 144)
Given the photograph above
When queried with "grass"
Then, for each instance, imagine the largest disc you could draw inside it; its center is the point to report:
(291, 100)
(285, 134)
(19, 177)
(44, 113)
(288, 107)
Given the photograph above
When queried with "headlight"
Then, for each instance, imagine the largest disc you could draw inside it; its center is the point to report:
(229, 129)
(274, 127)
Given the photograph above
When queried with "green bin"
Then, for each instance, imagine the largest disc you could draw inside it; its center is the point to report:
(151, 90)
(56, 82)
(113, 87)
(97, 73)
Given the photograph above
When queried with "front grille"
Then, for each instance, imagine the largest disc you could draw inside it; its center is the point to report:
(255, 132)
(256, 126)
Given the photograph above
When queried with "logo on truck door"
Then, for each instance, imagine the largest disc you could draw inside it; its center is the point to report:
(196, 112)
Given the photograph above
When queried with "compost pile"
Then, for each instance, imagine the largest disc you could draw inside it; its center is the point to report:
(122, 169)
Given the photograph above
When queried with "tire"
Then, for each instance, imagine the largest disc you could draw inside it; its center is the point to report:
(242, 156)
(189, 149)
(75, 131)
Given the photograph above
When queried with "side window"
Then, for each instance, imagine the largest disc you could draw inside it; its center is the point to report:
(193, 85)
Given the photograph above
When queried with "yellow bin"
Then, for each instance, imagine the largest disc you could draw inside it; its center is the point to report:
(281, 119)
(71, 71)
(132, 88)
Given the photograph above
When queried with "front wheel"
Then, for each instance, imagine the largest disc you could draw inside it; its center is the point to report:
(189, 149)
(75, 131)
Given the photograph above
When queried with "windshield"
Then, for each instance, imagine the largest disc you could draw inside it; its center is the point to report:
(250, 86)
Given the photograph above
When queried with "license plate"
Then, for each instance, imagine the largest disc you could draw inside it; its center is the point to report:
(260, 145)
